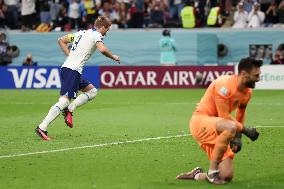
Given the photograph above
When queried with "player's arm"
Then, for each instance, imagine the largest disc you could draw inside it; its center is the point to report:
(240, 116)
(222, 105)
(240, 113)
(104, 50)
(64, 41)
(236, 143)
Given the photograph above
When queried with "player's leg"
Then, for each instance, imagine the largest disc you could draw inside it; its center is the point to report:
(53, 113)
(204, 132)
(226, 169)
(196, 174)
(226, 130)
(88, 93)
(70, 80)
(213, 135)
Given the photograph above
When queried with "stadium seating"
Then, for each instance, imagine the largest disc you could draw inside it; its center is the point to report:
(141, 47)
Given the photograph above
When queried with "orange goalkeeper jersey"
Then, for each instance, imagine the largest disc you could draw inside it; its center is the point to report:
(223, 97)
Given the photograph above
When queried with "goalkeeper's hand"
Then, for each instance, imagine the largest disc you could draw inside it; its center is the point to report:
(236, 143)
(251, 133)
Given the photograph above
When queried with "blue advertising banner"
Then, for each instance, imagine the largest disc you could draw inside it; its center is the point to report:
(13, 77)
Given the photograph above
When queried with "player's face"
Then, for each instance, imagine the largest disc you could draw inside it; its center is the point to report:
(252, 77)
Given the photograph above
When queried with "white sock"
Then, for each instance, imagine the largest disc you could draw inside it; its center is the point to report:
(82, 99)
(212, 171)
(54, 112)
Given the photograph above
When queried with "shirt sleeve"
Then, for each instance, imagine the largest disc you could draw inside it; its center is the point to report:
(222, 94)
(222, 89)
(97, 37)
(174, 44)
(240, 113)
(72, 36)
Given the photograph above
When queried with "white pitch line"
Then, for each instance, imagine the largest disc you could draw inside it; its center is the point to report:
(269, 126)
(95, 146)
(113, 143)
(143, 103)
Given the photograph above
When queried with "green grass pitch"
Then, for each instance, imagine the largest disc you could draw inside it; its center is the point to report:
(129, 115)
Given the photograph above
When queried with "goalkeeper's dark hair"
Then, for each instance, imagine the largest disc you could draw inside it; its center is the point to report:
(247, 64)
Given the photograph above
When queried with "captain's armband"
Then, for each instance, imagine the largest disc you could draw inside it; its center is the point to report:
(71, 37)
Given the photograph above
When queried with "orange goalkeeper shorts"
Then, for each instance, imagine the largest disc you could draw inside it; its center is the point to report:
(203, 129)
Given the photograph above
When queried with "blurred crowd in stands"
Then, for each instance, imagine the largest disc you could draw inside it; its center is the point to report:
(65, 15)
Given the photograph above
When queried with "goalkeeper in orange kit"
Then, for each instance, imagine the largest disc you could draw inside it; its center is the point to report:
(214, 128)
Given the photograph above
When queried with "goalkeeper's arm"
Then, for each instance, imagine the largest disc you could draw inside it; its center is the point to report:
(251, 133)
(240, 117)
(236, 143)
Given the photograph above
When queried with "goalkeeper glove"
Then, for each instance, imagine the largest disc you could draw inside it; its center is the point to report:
(236, 143)
(251, 133)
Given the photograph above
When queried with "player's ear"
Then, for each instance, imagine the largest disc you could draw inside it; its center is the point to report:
(244, 73)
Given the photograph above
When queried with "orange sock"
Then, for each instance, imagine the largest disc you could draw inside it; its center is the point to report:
(221, 145)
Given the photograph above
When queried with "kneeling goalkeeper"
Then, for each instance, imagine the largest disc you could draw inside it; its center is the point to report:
(213, 126)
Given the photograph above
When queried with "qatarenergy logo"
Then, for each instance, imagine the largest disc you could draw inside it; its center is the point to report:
(272, 77)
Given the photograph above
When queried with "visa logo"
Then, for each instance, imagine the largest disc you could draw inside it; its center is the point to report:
(36, 78)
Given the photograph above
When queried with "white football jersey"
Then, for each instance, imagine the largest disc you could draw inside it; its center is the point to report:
(84, 45)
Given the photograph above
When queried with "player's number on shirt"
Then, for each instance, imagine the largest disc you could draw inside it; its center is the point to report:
(74, 46)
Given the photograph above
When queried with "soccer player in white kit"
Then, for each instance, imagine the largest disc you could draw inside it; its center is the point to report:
(84, 44)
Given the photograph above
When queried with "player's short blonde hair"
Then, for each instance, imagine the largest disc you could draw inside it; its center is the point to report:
(102, 21)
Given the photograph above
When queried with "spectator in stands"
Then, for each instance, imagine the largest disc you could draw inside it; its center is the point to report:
(55, 8)
(139, 14)
(280, 14)
(256, 17)
(12, 13)
(248, 5)
(92, 14)
(200, 13)
(63, 20)
(147, 12)
(157, 14)
(76, 14)
(122, 14)
(175, 7)
(109, 12)
(3, 15)
(240, 17)
(115, 20)
(7, 52)
(28, 13)
(279, 55)
(168, 49)
(5, 59)
(270, 14)
(136, 14)
(29, 60)
(45, 16)
(188, 15)
(215, 18)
